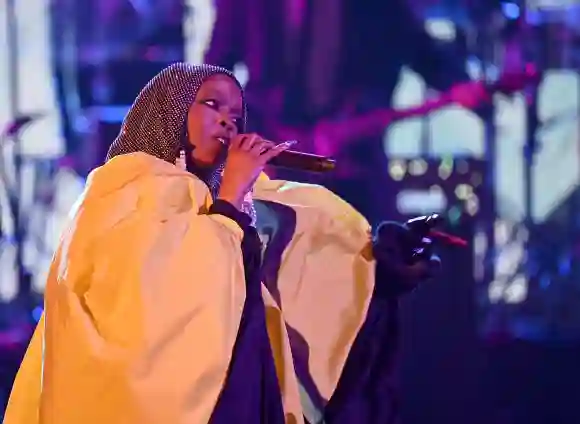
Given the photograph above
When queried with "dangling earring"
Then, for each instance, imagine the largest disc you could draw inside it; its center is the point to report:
(180, 161)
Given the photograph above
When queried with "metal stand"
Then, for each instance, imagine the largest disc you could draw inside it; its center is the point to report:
(483, 43)
(65, 61)
(14, 107)
(530, 150)
(531, 145)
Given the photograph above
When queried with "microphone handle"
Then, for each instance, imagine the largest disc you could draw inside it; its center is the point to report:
(303, 162)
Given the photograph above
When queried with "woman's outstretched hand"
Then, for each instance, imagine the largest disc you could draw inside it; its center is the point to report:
(247, 155)
(404, 258)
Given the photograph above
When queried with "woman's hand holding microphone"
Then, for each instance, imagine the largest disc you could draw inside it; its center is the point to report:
(246, 158)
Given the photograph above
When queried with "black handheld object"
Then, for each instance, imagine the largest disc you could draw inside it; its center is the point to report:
(424, 226)
(303, 161)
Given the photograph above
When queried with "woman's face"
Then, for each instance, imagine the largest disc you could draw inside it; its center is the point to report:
(214, 118)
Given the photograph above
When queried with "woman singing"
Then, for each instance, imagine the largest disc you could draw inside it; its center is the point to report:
(189, 288)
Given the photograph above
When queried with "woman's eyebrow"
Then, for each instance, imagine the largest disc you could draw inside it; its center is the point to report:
(210, 92)
(221, 96)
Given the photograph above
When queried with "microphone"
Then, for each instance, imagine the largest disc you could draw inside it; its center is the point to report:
(303, 162)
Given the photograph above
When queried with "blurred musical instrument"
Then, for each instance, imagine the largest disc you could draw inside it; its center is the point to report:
(328, 137)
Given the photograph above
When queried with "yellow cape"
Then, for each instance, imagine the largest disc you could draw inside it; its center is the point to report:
(132, 333)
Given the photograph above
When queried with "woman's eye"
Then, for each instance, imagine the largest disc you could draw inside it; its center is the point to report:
(211, 103)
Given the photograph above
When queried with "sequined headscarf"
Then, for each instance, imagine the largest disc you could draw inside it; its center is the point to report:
(157, 121)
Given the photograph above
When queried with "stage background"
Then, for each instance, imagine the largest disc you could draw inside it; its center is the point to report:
(495, 340)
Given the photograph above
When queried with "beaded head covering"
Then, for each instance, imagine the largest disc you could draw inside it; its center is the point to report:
(157, 121)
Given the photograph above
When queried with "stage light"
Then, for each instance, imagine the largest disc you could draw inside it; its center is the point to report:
(446, 167)
(463, 191)
(472, 205)
(454, 215)
(242, 73)
(421, 202)
(502, 230)
(510, 10)
(444, 173)
(397, 169)
(436, 189)
(517, 291)
(37, 313)
(462, 166)
(480, 246)
(476, 179)
(495, 291)
(8, 277)
(441, 29)
(418, 167)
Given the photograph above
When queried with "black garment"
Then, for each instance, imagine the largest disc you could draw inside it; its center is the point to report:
(366, 391)
(251, 394)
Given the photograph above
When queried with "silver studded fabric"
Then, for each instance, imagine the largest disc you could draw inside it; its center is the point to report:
(157, 121)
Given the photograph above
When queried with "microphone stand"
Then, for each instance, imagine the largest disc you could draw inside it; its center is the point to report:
(14, 191)
(483, 43)
(530, 150)
(531, 145)
(20, 309)
(528, 50)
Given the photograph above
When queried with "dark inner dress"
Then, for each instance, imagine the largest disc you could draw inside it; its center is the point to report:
(366, 391)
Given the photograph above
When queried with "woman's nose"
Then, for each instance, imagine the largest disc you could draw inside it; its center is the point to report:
(228, 124)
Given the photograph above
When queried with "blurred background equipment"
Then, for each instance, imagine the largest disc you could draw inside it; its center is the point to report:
(497, 340)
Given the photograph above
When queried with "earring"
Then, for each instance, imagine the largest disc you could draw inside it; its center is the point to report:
(180, 161)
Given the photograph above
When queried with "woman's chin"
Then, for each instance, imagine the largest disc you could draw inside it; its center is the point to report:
(209, 160)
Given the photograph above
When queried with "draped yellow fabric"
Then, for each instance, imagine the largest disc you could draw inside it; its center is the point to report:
(326, 277)
(131, 334)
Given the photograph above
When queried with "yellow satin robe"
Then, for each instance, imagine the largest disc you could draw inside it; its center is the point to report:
(133, 333)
